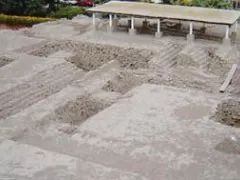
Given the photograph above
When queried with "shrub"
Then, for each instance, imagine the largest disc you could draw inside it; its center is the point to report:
(221, 4)
(182, 2)
(22, 20)
(67, 12)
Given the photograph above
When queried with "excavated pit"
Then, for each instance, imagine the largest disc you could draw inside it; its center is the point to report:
(89, 56)
(228, 113)
(76, 112)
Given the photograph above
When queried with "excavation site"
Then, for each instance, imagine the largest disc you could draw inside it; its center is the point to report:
(85, 102)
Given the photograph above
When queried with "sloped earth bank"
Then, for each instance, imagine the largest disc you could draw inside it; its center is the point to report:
(228, 112)
(126, 80)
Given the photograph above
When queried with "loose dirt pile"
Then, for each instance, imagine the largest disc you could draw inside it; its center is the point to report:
(53, 46)
(5, 60)
(228, 112)
(77, 111)
(122, 83)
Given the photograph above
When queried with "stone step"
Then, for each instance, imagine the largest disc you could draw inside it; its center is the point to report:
(40, 90)
(23, 68)
(34, 96)
(42, 78)
(167, 54)
(223, 52)
(168, 58)
(201, 58)
(197, 54)
(89, 83)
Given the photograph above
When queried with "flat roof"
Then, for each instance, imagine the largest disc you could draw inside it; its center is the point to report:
(207, 15)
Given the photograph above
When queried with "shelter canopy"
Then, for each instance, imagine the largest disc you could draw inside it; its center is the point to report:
(198, 14)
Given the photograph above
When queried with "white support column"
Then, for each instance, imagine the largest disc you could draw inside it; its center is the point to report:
(110, 20)
(236, 26)
(132, 31)
(158, 34)
(158, 25)
(227, 32)
(190, 28)
(132, 22)
(227, 40)
(94, 19)
(190, 36)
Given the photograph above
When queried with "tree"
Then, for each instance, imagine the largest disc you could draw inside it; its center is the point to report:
(182, 2)
(166, 1)
(22, 7)
(51, 4)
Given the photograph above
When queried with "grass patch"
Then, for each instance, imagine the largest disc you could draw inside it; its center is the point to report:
(22, 20)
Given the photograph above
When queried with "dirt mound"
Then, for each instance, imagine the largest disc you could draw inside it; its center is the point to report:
(228, 112)
(122, 83)
(77, 111)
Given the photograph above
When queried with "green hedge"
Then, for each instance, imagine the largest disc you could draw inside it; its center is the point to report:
(22, 20)
(67, 12)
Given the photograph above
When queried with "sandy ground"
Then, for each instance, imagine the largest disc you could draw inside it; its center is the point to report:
(84, 104)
